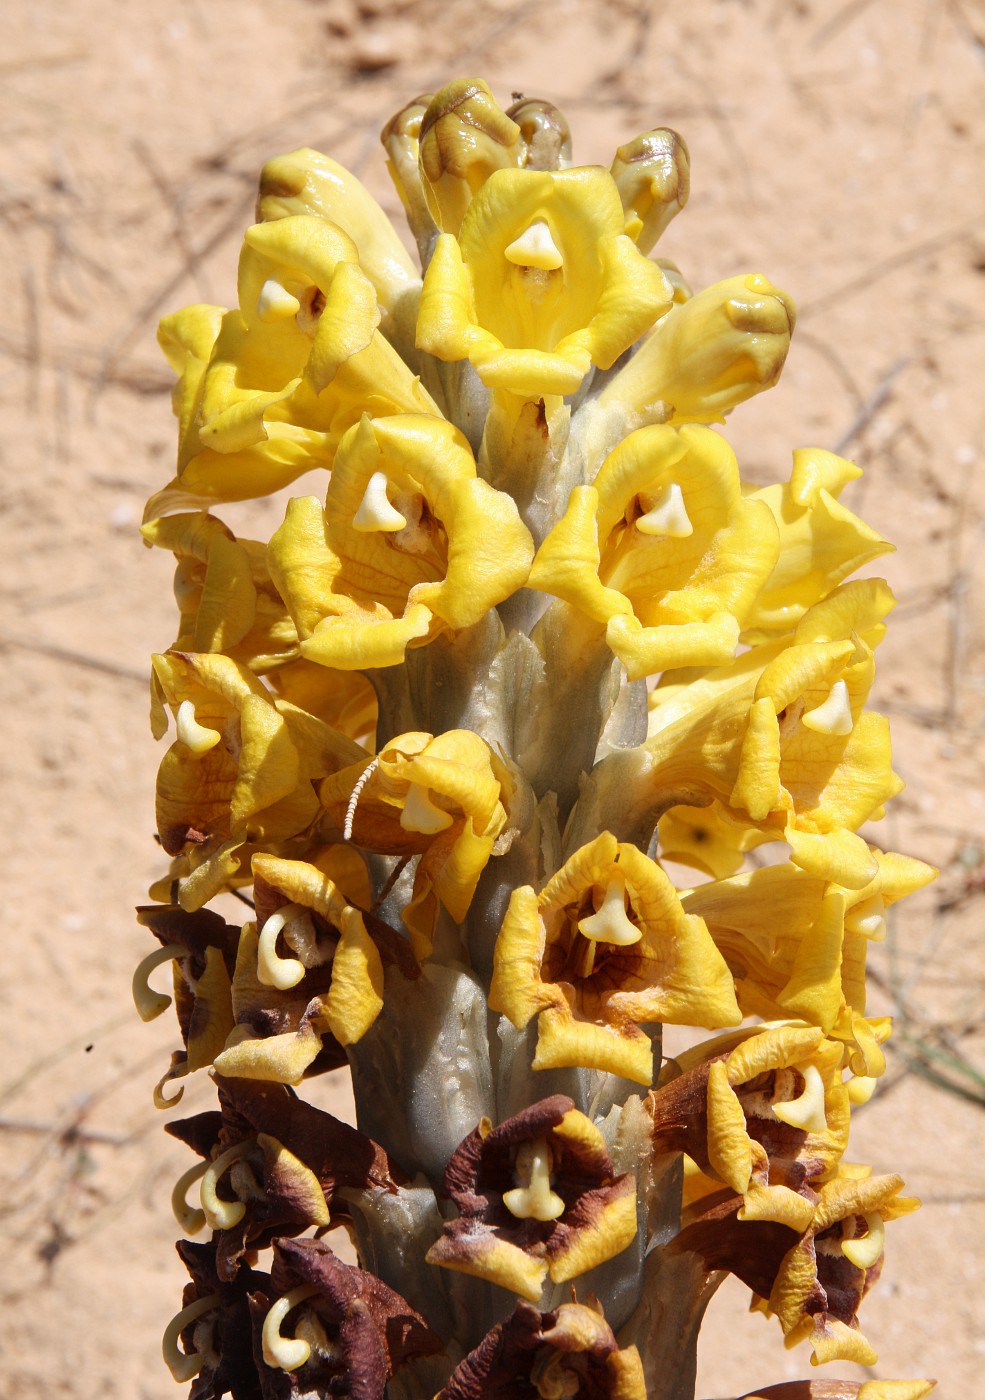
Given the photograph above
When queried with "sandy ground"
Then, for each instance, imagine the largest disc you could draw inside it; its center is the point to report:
(836, 147)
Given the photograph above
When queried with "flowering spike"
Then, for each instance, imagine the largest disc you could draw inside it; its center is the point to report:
(533, 644)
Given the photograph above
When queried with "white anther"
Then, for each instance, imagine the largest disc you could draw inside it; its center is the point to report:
(188, 1217)
(420, 814)
(275, 302)
(375, 511)
(360, 783)
(668, 516)
(807, 1110)
(149, 1003)
(185, 1365)
(611, 924)
(535, 248)
(868, 917)
(864, 1253)
(273, 970)
(534, 1200)
(222, 1215)
(286, 1352)
(196, 737)
(833, 715)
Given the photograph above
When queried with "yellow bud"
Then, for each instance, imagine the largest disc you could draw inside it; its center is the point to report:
(708, 354)
(545, 137)
(464, 137)
(401, 140)
(653, 176)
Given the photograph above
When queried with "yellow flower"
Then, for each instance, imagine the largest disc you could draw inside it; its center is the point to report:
(662, 550)
(823, 1278)
(444, 798)
(780, 737)
(701, 838)
(538, 1197)
(226, 599)
(821, 543)
(763, 1111)
(309, 974)
(290, 371)
(239, 772)
(309, 182)
(709, 353)
(540, 284)
(799, 942)
(411, 543)
(604, 947)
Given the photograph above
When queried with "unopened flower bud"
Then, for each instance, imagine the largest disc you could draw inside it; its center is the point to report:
(464, 137)
(709, 353)
(653, 175)
(545, 137)
(401, 141)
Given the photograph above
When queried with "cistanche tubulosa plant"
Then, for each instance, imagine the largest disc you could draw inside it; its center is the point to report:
(539, 731)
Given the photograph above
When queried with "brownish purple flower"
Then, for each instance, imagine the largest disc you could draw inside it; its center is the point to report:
(536, 1197)
(201, 948)
(571, 1351)
(271, 1167)
(350, 1331)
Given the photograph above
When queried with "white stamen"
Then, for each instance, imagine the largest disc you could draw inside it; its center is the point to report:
(868, 917)
(360, 783)
(272, 969)
(535, 248)
(275, 302)
(866, 1252)
(668, 516)
(285, 1352)
(833, 715)
(188, 1217)
(184, 1366)
(420, 813)
(222, 1215)
(534, 1200)
(807, 1110)
(151, 1004)
(611, 924)
(193, 735)
(375, 511)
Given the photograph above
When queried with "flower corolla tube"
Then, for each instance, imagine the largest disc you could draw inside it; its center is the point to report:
(532, 727)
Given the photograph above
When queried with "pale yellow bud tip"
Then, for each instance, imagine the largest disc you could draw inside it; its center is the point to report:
(222, 1215)
(535, 248)
(534, 1200)
(275, 302)
(272, 969)
(420, 814)
(286, 1352)
(668, 516)
(151, 1004)
(196, 737)
(833, 715)
(865, 1252)
(184, 1366)
(375, 511)
(806, 1111)
(611, 924)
